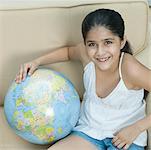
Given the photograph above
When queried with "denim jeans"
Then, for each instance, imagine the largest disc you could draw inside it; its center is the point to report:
(105, 144)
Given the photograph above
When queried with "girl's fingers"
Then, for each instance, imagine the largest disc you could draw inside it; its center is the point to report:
(126, 146)
(117, 142)
(121, 145)
(32, 69)
(20, 73)
(26, 67)
(17, 79)
(114, 139)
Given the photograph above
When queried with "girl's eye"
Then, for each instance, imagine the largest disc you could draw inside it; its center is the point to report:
(91, 44)
(108, 42)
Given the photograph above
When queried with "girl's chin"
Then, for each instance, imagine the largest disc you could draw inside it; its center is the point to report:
(104, 68)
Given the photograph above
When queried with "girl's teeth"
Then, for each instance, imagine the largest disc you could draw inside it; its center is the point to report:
(103, 59)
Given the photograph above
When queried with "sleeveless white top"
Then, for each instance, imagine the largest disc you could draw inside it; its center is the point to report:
(100, 118)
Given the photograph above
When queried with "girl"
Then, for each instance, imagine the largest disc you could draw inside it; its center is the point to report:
(113, 110)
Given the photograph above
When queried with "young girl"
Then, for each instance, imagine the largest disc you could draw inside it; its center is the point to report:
(113, 110)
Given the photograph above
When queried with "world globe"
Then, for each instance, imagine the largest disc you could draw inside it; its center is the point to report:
(43, 108)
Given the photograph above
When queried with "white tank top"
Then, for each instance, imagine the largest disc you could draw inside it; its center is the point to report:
(101, 117)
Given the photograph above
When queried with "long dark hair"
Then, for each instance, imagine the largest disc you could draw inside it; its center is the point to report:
(109, 19)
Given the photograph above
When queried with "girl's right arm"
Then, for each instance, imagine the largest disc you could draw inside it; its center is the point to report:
(59, 55)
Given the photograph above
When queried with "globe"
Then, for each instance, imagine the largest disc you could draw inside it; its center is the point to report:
(43, 108)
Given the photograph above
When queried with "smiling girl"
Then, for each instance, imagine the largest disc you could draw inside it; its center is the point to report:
(113, 109)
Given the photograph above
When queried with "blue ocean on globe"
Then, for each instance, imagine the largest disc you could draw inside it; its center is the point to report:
(43, 108)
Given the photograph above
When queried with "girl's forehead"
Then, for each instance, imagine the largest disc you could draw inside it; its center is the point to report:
(100, 33)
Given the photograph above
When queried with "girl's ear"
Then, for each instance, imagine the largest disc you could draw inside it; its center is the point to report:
(123, 41)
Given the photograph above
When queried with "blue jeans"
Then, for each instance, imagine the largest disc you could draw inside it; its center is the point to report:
(105, 144)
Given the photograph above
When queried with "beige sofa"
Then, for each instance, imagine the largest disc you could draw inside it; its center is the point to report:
(28, 30)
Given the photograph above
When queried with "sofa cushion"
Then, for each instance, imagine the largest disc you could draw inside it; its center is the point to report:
(29, 30)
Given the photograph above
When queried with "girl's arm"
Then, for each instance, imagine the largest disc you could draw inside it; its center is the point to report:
(140, 78)
(137, 76)
(76, 52)
(144, 124)
(54, 56)
(59, 55)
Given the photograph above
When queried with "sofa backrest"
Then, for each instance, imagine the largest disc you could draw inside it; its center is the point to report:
(29, 30)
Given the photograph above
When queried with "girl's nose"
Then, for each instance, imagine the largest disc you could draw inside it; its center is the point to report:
(100, 51)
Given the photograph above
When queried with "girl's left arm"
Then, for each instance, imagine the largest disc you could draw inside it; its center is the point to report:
(144, 123)
(140, 78)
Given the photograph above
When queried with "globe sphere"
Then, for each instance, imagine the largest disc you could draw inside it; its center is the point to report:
(43, 108)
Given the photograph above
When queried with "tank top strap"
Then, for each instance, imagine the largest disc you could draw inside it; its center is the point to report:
(120, 65)
(89, 77)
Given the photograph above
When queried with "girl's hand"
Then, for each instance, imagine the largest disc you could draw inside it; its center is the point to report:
(125, 137)
(27, 68)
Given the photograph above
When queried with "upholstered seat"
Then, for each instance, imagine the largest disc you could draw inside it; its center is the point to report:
(30, 29)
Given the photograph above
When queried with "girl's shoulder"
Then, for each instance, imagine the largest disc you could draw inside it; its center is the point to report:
(135, 74)
(131, 65)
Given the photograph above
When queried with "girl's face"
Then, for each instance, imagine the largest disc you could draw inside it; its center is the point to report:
(103, 47)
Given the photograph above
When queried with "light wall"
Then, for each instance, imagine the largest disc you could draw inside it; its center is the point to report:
(150, 14)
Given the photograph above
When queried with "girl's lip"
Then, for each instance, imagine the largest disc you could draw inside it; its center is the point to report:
(104, 59)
